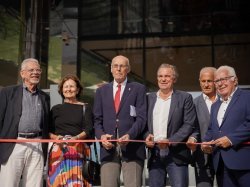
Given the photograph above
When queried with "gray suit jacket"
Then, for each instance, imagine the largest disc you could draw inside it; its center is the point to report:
(203, 117)
(181, 123)
(10, 113)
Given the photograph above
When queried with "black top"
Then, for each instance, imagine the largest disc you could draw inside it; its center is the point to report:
(67, 119)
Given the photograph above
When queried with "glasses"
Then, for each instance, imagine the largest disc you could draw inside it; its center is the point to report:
(222, 80)
(117, 66)
(39, 71)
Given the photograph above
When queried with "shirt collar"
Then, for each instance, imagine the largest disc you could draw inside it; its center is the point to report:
(158, 95)
(205, 97)
(26, 89)
(122, 84)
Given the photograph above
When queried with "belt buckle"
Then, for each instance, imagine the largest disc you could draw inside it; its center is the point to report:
(31, 135)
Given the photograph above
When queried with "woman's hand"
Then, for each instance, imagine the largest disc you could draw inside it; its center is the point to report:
(59, 137)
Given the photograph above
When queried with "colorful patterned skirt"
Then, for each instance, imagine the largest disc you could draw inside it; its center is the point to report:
(65, 165)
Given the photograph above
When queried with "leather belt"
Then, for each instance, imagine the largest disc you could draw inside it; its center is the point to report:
(29, 135)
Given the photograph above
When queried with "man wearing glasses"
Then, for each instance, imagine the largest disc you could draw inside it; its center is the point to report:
(229, 129)
(120, 113)
(24, 113)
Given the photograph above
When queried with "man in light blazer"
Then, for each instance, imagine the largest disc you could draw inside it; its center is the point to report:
(123, 121)
(203, 165)
(228, 130)
(24, 114)
(171, 118)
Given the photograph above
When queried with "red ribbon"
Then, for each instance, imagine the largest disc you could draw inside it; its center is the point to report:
(89, 141)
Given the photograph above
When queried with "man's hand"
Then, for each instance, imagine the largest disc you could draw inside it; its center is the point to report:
(163, 143)
(150, 141)
(105, 143)
(123, 140)
(191, 143)
(223, 142)
(207, 147)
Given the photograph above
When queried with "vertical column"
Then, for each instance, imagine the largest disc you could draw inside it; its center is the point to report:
(34, 34)
(69, 37)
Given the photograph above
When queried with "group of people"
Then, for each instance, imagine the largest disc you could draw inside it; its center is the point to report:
(210, 132)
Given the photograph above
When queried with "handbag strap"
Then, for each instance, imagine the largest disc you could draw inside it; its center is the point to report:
(95, 147)
(96, 154)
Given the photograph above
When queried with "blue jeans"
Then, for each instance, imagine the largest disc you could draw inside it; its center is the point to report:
(158, 169)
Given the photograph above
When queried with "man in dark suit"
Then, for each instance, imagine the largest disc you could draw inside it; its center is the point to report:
(120, 113)
(24, 113)
(171, 118)
(203, 165)
(228, 130)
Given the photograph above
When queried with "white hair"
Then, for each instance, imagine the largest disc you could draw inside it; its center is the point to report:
(207, 69)
(24, 63)
(229, 69)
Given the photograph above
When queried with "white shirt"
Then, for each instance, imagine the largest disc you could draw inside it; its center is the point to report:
(115, 88)
(223, 108)
(208, 101)
(160, 117)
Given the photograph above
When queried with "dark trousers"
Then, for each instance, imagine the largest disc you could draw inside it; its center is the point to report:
(160, 167)
(232, 178)
(204, 174)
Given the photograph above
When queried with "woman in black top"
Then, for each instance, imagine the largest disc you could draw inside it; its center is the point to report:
(70, 120)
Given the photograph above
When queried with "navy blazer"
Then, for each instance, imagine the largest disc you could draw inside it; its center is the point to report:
(181, 123)
(106, 119)
(10, 113)
(236, 126)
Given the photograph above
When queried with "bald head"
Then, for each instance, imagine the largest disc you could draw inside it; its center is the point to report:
(120, 67)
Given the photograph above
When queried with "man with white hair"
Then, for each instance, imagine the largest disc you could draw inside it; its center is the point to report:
(203, 165)
(24, 113)
(229, 129)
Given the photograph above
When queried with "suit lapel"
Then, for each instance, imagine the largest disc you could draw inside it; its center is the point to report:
(44, 106)
(173, 104)
(152, 101)
(110, 96)
(125, 95)
(18, 100)
(204, 106)
(204, 114)
(215, 112)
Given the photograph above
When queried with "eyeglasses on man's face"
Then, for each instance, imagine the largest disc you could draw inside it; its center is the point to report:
(222, 80)
(39, 71)
(117, 66)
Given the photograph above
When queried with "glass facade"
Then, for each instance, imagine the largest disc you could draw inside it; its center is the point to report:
(9, 47)
(189, 34)
(24, 34)
(86, 34)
